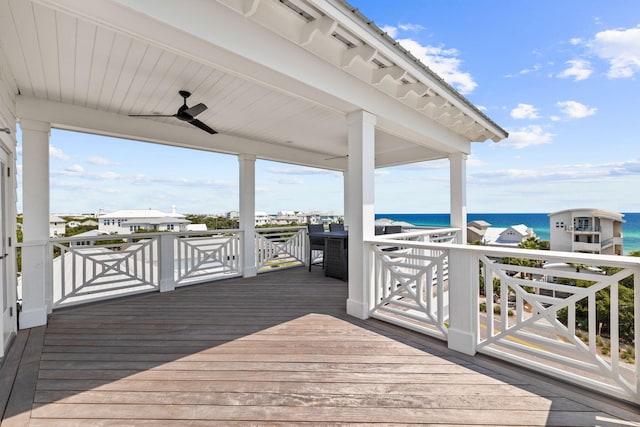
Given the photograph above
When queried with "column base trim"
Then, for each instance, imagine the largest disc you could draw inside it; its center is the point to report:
(357, 309)
(462, 342)
(33, 318)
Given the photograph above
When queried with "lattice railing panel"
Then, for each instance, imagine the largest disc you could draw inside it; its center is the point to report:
(204, 258)
(278, 248)
(552, 320)
(411, 288)
(83, 274)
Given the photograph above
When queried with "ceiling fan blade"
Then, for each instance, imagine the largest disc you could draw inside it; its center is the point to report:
(152, 115)
(337, 157)
(199, 124)
(195, 110)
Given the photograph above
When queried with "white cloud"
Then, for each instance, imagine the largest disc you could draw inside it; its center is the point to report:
(380, 172)
(97, 160)
(575, 110)
(579, 69)
(292, 180)
(526, 137)
(57, 153)
(475, 162)
(413, 28)
(392, 31)
(443, 62)
(108, 175)
(575, 41)
(581, 172)
(621, 48)
(75, 169)
(525, 111)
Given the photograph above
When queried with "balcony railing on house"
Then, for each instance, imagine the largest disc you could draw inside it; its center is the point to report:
(91, 269)
(569, 323)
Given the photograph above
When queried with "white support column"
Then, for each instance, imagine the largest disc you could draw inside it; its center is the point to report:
(458, 192)
(36, 259)
(345, 203)
(167, 262)
(359, 196)
(463, 294)
(248, 212)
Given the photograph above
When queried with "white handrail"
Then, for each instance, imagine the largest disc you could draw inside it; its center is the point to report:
(541, 320)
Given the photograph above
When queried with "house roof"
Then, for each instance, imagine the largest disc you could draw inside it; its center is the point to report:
(598, 213)
(279, 78)
(521, 229)
(55, 218)
(141, 213)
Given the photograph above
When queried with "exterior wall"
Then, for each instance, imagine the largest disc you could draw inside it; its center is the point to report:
(586, 230)
(131, 225)
(559, 238)
(8, 325)
(511, 236)
(57, 228)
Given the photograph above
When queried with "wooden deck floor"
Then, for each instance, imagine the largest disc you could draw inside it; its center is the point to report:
(273, 350)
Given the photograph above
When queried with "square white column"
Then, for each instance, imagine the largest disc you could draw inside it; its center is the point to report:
(248, 212)
(360, 208)
(458, 194)
(36, 259)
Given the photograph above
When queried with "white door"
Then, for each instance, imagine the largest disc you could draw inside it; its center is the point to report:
(7, 296)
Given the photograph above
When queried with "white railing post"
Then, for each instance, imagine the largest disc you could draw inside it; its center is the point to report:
(463, 301)
(167, 262)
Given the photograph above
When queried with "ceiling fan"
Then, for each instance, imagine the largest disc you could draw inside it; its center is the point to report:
(185, 113)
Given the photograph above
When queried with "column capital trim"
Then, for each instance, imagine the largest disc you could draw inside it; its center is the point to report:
(361, 116)
(247, 157)
(35, 125)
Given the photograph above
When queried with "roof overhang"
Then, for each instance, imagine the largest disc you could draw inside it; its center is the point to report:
(279, 78)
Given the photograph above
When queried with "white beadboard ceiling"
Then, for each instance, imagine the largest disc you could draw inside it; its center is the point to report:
(61, 57)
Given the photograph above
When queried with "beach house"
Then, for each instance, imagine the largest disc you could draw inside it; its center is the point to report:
(594, 231)
(129, 221)
(229, 326)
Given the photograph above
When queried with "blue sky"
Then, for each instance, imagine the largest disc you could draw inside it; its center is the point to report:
(560, 76)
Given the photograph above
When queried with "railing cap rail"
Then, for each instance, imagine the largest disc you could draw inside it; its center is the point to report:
(142, 235)
(569, 257)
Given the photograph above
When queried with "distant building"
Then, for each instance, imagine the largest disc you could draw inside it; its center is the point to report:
(592, 231)
(262, 218)
(476, 230)
(510, 236)
(482, 231)
(316, 217)
(90, 233)
(57, 226)
(197, 227)
(133, 220)
(232, 215)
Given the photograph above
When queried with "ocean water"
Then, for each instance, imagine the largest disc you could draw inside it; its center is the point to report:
(538, 221)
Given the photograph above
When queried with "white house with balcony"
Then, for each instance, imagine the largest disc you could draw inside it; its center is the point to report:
(594, 231)
(311, 83)
(507, 236)
(57, 226)
(129, 221)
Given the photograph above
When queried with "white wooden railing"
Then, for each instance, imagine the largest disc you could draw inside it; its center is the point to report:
(411, 281)
(87, 269)
(95, 268)
(206, 256)
(534, 317)
(280, 247)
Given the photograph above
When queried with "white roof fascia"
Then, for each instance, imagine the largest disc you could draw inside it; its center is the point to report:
(380, 41)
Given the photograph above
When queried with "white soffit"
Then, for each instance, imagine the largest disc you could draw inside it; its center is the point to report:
(285, 84)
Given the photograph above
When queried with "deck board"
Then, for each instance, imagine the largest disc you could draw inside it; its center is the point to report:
(277, 349)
